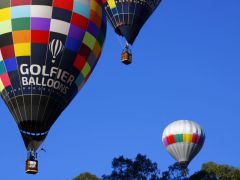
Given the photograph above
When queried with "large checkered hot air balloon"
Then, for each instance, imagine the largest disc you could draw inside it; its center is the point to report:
(127, 17)
(183, 139)
(48, 49)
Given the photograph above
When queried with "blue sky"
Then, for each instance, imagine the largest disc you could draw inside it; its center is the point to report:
(186, 66)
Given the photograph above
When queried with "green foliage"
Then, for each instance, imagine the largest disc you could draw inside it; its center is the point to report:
(203, 175)
(142, 168)
(86, 176)
(139, 168)
(222, 172)
(174, 173)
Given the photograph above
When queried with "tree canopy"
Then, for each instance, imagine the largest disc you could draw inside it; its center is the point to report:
(174, 172)
(86, 176)
(213, 171)
(139, 168)
(142, 168)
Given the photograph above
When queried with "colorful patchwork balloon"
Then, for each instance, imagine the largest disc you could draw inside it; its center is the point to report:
(183, 139)
(48, 49)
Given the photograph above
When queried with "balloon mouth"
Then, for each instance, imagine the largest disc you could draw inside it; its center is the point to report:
(184, 164)
(32, 163)
(34, 134)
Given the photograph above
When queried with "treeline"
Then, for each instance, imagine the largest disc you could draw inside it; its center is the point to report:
(142, 168)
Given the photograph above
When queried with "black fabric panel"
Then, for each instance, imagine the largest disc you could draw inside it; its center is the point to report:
(6, 39)
(21, 106)
(35, 107)
(12, 105)
(6, 99)
(24, 60)
(62, 14)
(16, 83)
(38, 53)
(51, 116)
(70, 56)
(39, 118)
(42, 2)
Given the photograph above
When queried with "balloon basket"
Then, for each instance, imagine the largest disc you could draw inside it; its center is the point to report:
(126, 57)
(184, 166)
(184, 173)
(31, 166)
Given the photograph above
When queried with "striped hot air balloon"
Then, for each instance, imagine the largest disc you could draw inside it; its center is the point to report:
(48, 50)
(183, 139)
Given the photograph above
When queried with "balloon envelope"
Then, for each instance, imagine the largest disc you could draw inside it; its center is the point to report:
(48, 50)
(183, 139)
(127, 17)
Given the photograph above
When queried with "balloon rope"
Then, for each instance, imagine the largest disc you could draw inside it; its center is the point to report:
(135, 7)
(128, 12)
(114, 17)
(110, 19)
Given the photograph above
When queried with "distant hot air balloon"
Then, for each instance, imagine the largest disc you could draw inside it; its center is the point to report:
(48, 49)
(183, 139)
(127, 17)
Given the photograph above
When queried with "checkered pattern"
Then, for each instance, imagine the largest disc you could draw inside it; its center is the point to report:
(28, 24)
(67, 35)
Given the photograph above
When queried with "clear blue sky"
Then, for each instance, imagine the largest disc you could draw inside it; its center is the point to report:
(186, 66)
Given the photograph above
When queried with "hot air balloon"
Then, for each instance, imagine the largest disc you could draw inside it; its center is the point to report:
(127, 17)
(48, 50)
(183, 139)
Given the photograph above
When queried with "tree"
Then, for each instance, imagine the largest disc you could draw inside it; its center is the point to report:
(142, 168)
(203, 175)
(139, 168)
(174, 173)
(86, 176)
(216, 171)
